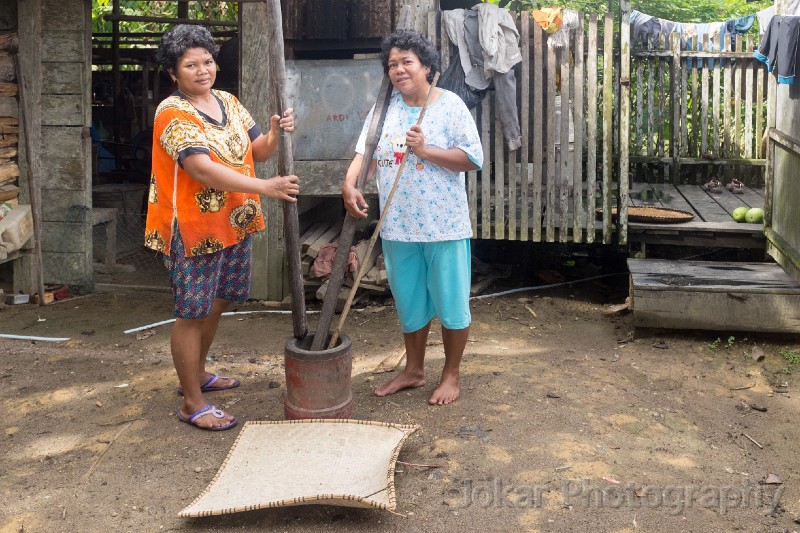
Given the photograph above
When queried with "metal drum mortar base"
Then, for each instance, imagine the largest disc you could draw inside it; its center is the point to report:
(318, 382)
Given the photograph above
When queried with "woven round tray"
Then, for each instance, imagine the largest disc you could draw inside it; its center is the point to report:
(663, 215)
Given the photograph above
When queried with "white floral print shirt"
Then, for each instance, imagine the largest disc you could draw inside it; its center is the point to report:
(430, 203)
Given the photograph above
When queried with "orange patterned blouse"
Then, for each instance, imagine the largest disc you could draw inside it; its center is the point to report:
(209, 219)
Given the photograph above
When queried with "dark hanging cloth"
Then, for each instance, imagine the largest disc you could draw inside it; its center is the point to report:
(453, 79)
(779, 50)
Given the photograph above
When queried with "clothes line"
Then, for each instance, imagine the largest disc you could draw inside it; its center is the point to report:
(646, 29)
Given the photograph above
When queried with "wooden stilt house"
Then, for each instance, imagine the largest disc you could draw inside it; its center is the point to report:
(605, 127)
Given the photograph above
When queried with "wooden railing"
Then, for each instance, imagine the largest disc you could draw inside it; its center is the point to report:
(781, 218)
(698, 106)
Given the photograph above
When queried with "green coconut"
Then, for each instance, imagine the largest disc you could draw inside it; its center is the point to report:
(739, 213)
(754, 215)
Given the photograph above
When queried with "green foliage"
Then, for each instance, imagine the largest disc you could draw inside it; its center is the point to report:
(718, 342)
(201, 10)
(674, 10)
(586, 6)
(792, 356)
(700, 10)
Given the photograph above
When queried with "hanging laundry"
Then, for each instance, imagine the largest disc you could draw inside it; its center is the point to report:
(570, 21)
(667, 27)
(454, 77)
(764, 16)
(453, 21)
(488, 49)
(743, 24)
(646, 28)
(499, 39)
(549, 18)
(779, 48)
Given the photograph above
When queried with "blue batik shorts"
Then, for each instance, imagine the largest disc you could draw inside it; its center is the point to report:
(429, 279)
(197, 281)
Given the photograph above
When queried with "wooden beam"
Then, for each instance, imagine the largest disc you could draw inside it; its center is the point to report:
(31, 119)
(624, 118)
(713, 296)
(268, 261)
(169, 20)
(291, 225)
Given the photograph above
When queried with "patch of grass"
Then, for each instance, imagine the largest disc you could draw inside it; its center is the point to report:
(792, 356)
(718, 342)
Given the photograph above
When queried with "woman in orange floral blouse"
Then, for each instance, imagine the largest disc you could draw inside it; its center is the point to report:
(203, 207)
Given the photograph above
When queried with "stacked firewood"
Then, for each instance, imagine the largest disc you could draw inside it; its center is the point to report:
(9, 121)
(318, 248)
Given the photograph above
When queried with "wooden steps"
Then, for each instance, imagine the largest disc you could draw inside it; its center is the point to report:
(719, 296)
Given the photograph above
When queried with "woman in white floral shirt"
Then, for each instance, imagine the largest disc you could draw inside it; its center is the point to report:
(426, 232)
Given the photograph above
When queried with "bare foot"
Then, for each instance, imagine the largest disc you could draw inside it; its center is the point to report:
(400, 382)
(447, 392)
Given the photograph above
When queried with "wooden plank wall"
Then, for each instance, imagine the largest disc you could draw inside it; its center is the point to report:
(269, 276)
(782, 218)
(540, 192)
(306, 19)
(699, 110)
(29, 54)
(351, 19)
(66, 145)
(55, 53)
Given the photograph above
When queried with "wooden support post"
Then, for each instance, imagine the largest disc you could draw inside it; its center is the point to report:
(349, 224)
(624, 118)
(677, 127)
(608, 134)
(364, 267)
(591, 128)
(291, 228)
(34, 169)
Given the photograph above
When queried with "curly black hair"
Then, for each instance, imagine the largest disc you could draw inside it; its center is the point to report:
(413, 41)
(180, 38)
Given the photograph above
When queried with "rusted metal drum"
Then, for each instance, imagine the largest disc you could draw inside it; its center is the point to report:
(318, 382)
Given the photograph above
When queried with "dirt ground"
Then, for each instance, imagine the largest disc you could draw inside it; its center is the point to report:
(569, 420)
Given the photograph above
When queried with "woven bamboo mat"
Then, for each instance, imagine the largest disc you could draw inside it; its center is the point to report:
(664, 215)
(298, 462)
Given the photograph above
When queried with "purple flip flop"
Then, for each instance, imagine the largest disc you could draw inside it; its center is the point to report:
(208, 409)
(208, 386)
